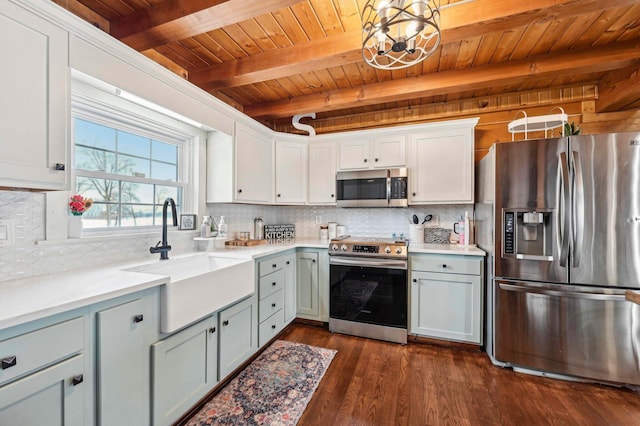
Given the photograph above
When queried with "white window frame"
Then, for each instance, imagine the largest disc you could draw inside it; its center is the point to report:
(102, 108)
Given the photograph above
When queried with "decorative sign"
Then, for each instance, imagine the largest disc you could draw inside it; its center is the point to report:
(279, 232)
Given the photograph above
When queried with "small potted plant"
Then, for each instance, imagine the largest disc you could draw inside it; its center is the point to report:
(77, 206)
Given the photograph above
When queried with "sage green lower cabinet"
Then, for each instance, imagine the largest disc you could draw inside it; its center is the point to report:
(53, 396)
(312, 292)
(290, 290)
(45, 373)
(308, 291)
(238, 335)
(124, 334)
(446, 297)
(184, 369)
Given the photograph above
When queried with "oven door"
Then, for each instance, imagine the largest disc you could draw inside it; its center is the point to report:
(370, 291)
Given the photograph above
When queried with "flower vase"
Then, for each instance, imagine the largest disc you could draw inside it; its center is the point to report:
(74, 226)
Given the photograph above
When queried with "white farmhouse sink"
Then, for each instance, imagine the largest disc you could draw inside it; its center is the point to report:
(199, 285)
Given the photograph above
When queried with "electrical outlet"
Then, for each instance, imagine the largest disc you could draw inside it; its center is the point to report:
(318, 219)
(435, 220)
(6, 233)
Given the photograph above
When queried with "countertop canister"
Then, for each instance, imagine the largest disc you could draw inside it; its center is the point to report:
(258, 229)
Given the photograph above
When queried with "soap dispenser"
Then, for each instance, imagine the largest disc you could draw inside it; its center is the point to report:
(205, 228)
(222, 227)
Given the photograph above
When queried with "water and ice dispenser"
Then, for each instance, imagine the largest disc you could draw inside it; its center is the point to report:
(527, 234)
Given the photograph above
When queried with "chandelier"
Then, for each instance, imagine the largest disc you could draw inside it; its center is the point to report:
(399, 33)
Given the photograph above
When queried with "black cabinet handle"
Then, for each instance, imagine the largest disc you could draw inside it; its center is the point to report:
(273, 326)
(444, 265)
(225, 322)
(415, 280)
(273, 284)
(279, 195)
(365, 160)
(138, 318)
(9, 361)
(59, 167)
(239, 191)
(212, 330)
(274, 265)
(376, 160)
(273, 305)
(76, 380)
(313, 261)
(288, 263)
(413, 193)
(332, 195)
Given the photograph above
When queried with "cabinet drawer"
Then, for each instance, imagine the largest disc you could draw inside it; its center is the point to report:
(447, 264)
(272, 326)
(271, 265)
(40, 348)
(271, 304)
(271, 283)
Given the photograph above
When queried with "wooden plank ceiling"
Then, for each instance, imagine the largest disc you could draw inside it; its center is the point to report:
(273, 59)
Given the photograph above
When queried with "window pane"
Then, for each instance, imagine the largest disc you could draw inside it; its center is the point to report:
(99, 190)
(164, 192)
(133, 192)
(165, 152)
(163, 171)
(101, 216)
(94, 159)
(132, 166)
(95, 135)
(137, 215)
(129, 143)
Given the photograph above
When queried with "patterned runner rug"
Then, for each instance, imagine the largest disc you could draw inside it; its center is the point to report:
(273, 390)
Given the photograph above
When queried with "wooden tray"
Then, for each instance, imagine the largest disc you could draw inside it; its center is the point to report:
(244, 242)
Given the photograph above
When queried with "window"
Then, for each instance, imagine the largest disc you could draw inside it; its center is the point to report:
(127, 169)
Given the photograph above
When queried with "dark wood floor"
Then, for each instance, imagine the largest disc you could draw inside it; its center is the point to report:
(377, 383)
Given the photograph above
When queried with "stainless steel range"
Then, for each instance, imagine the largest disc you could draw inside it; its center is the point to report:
(368, 288)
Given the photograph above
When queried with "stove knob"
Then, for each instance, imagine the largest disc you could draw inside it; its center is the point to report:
(398, 250)
(334, 247)
(387, 250)
(344, 247)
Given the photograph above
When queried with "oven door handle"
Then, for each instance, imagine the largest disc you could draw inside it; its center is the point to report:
(369, 263)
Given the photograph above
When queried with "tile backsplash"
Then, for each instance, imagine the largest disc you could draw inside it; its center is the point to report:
(28, 256)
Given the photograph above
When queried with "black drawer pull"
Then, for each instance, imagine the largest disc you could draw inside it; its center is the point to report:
(225, 322)
(274, 266)
(415, 280)
(273, 326)
(239, 191)
(9, 361)
(138, 318)
(273, 305)
(444, 265)
(313, 261)
(212, 330)
(76, 380)
(59, 167)
(288, 263)
(273, 284)
(332, 195)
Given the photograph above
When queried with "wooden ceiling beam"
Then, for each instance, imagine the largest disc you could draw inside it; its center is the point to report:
(458, 22)
(174, 20)
(619, 89)
(556, 64)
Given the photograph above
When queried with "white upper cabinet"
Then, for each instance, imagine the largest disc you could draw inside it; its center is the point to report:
(35, 101)
(322, 172)
(253, 166)
(377, 152)
(441, 167)
(291, 172)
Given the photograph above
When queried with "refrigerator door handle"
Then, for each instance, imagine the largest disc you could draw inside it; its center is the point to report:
(617, 297)
(564, 199)
(578, 209)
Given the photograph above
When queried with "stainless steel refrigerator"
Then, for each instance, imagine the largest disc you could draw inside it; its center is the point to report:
(560, 220)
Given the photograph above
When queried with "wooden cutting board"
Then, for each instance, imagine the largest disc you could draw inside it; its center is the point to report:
(633, 296)
(244, 242)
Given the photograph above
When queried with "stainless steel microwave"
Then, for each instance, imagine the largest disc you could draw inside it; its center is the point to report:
(372, 188)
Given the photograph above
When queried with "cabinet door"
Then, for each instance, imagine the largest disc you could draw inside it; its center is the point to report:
(390, 151)
(307, 291)
(35, 101)
(354, 155)
(123, 364)
(446, 306)
(291, 172)
(185, 368)
(441, 168)
(322, 173)
(53, 396)
(290, 288)
(238, 335)
(253, 166)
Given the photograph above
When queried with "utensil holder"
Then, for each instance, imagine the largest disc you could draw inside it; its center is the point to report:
(416, 234)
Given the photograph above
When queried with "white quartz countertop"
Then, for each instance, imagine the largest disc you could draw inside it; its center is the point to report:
(32, 298)
(456, 249)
